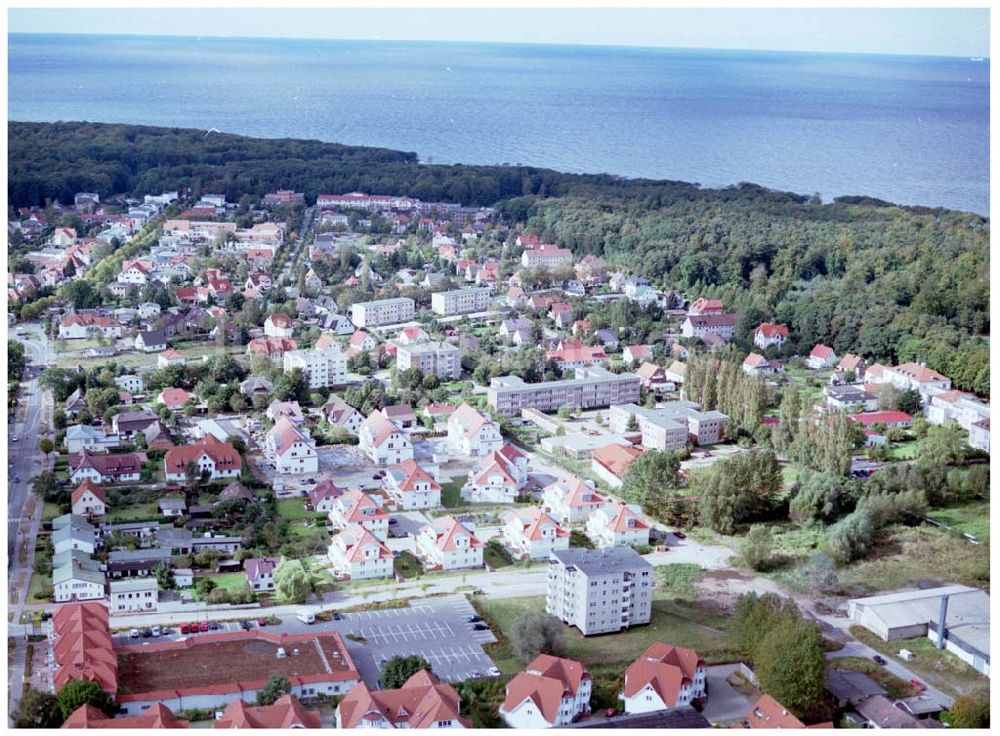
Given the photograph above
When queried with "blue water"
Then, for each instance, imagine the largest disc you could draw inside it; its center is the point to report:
(912, 130)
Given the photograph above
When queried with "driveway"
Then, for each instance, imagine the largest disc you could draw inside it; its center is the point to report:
(724, 703)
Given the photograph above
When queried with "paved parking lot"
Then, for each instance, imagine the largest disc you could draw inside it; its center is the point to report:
(437, 629)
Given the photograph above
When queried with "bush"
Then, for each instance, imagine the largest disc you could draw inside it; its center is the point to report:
(537, 633)
(401, 668)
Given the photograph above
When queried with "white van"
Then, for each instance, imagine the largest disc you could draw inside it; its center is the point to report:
(306, 617)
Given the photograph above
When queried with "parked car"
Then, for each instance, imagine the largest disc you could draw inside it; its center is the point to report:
(879, 659)
(157, 631)
(474, 619)
(147, 632)
(185, 628)
(262, 621)
(680, 535)
(204, 626)
(610, 712)
(493, 671)
(246, 625)
(918, 684)
(393, 521)
(480, 627)
(336, 616)
(475, 674)
(215, 626)
(134, 634)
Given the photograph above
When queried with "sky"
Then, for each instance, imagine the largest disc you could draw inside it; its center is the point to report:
(931, 32)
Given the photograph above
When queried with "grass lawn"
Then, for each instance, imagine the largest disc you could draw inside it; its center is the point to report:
(299, 529)
(493, 558)
(677, 621)
(904, 451)
(233, 582)
(971, 518)
(942, 669)
(50, 511)
(407, 565)
(137, 511)
(451, 493)
(904, 556)
(294, 509)
(895, 687)
(35, 587)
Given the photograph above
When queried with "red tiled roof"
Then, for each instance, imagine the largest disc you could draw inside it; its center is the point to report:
(664, 667)
(822, 351)
(546, 681)
(421, 702)
(884, 417)
(83, 648)
(770, 329)
(88, 485)
(447, 529)
(769, 713)
(616, 458)
(285, 712)
(223, 454)
(156, 716)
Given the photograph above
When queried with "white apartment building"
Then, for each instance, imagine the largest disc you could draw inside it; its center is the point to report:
(460, 301)
(448, 544)
(599, 590)
(441, 359)
(412, 487)
(382, 312)
(325, 368)
(498, 478)
(293, 450)
(547, 255)
(357, 507)
(571, 500)
(589, 388)
(670, 425)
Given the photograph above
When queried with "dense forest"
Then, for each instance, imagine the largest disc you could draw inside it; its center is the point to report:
(891, 283)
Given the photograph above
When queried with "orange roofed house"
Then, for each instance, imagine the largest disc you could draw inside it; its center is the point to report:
(611, 462)
(285, 712)
(664, 677)
(209, 455)
(156, 716)
(422, 702)
(551, 692)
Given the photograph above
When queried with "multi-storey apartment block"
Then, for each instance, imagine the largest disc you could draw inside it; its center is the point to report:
(324, 368)
(591, 387)
(441, 359)
(670, 425)
(382, 312)
(460, 301)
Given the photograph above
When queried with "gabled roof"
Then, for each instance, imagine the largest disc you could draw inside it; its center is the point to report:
(419, 703)
(616, 458)
(256, 567)
(770, 329)
(323, 490)
(284, 435)
(156, 716)
(575, 492)
(223, 454)
(358, 506)
(88, 485)
(822, 351)
(545, 681)
(648, 371)
(447, 529)
(663, 667)
(408, 473)
(769, 713)
(469, 418)
(533, 521)
(285, 712)
(355, 538)
(380, 428)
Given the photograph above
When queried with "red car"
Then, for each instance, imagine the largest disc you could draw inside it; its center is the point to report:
(204, 626)
(918, 684)
(262, 621)
(610, 712)
(185, 628)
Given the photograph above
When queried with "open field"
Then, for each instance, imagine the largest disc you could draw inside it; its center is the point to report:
(971, 518)
(904, 556)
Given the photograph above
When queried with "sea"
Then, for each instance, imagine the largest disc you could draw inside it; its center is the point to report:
(907, 129)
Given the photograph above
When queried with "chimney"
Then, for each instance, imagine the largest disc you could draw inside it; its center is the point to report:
(941, 621)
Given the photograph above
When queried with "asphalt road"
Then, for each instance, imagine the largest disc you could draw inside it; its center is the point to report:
(28, 427)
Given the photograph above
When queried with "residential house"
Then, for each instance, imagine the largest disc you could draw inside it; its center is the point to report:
(411, 487)
(652, 376)
(422, 702)
(383, 440)
(128, 424)
(448, 544)
(551, 692)
(134, 595)
(293, 450)
(821, 357)
(498, 478)
(208, 456)
(260, 573)
(472, 433)
(81, 437)
(341, 414)
(278, 325)
(664, 677)
(722, 326)
(77, 326)
(618, 524)
(611, 463)
(702, 306)
(675, 372)
(571, 500)
(168, 358)
(76, 577)
(323, 496)
(636, 354)
(131, 383)
(151, 341)
(284, 713)
(105, 468)
(532, 534)
(853, 363)
(357, 507)
(362, 341)
(756, 364)
(358, 555)
(88, 500)
(273, 348)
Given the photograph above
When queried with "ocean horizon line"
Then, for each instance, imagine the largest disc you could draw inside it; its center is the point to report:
(535, 44)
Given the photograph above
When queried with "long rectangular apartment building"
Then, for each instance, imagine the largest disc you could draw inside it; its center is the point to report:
(383, 312)
(590, 387)
(460, 301)
(442, 359)
(599, 590)
(324, 368)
